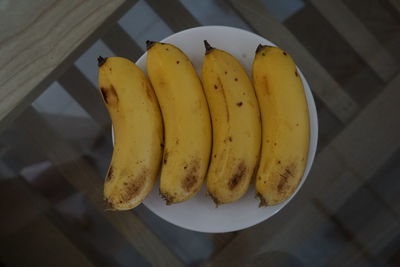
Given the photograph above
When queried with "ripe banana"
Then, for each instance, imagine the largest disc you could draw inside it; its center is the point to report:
(236, 125)
(285, 125)
(138, 133)
(186, 121)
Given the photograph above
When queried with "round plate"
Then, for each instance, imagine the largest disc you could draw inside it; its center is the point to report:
(199, 213)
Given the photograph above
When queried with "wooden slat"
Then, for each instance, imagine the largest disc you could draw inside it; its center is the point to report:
(25, 208)
(381, 229)
(386, 183)
(40, 244)
(321, 82)
(376, 130)
(334, 177)
(328, 125)
(4, 169)
(174, 14)
(44, 40)
(381, 225)
(371, 151)
(85, 179)
(27, 234)
(353, 252)
(379, 146)
(88, 97)
(395, 4)
(358, 36)
(32, 205)
(350, 258)
(222, 240)
(75, 235)
(122, 44)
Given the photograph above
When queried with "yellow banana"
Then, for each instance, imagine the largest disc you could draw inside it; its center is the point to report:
(186, 121)
(138, 133)
(285, 125)
(236, 126)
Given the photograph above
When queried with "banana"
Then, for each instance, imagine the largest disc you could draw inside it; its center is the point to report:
(285, 125)
(138, 133)
(186, 121)
(236, 125)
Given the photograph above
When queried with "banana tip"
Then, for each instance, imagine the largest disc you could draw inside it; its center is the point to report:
(101, 60)
(261, 47)
(108, 205)
(215, 199)
(149, 44)
(166, 197)
(208, 47)
(263, 201)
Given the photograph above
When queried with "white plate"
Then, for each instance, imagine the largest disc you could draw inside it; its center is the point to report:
(200, 213)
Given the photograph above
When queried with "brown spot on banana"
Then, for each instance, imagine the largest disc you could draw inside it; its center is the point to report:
(238, 176)
(282, 182)
(109, 95)
(191, 176)
(283, 186)
(134, 186)
(189, 181)
(265, 81)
